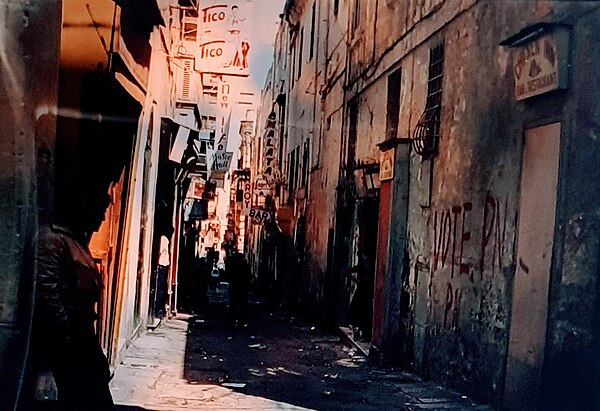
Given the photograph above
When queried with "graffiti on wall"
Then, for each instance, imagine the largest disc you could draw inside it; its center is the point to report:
(493, 233)
(460, 256)
(449, 240)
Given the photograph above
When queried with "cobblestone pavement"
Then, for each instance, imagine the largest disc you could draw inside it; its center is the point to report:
(277, 362)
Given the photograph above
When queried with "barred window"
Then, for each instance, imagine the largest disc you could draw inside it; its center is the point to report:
(427, 133)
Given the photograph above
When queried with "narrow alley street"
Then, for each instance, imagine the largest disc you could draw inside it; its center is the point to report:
(277, 362)
(421, 176)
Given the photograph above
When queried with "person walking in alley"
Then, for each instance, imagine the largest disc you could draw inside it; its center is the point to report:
(68, 287)
(239, 275)
(201, 279)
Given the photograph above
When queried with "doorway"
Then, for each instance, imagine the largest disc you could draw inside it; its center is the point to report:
(537, 212)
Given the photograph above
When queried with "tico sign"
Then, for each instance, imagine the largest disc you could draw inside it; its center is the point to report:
(223, 43)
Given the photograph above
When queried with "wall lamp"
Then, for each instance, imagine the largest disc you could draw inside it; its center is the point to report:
(366, 180)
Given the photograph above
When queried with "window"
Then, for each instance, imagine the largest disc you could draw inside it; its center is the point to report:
(190, 20)
(292, 69)
(304, 177)
(352, 129)
(292, 168)
(427, 132)
(336, 7)
(300, 53)
(393, 105)
(282, 104)
(356, 16)
(312, 32)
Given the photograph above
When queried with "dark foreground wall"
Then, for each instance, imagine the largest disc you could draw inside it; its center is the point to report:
(29, 51)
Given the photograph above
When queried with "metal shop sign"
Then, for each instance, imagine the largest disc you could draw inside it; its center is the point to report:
(246, 197)
(222, 161)
(541, 65)
(262, 185)
(260, 216)
(269, 154)
(196, 188)
(386, 165)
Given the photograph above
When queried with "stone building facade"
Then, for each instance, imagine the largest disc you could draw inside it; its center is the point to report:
(481, 221)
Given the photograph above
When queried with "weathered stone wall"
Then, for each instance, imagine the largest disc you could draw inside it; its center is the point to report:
(464, 242)
(328, 76)
(572, 359)
(463, 204)
(462, 248)
(462, 227)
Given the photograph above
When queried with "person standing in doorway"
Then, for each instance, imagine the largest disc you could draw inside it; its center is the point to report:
(162, 277)
(68, 287)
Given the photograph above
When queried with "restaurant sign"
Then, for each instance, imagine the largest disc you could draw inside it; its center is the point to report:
(541, 65)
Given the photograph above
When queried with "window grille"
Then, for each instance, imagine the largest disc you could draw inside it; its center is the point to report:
(426, 136)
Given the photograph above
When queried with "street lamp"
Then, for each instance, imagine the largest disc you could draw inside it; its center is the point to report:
(366, 180)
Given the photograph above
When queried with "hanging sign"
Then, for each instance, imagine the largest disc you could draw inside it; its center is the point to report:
(260, 216)
(196, 188)
(269, 141)
(224, 107)
(262, 185)
(222, 161)
(224, 44)
(540, 66)
(180, 144)
(246, 197)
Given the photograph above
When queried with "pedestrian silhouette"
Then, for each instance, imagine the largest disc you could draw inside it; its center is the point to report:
(68, 287)
(238, 272)
(202, 279)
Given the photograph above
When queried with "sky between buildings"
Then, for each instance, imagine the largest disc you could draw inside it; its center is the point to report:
(265, 23)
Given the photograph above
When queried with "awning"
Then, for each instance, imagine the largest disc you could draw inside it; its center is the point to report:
(131, 87)
(180, 144)
(144, 10)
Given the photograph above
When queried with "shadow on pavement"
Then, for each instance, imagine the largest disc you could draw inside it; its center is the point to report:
(275, 357)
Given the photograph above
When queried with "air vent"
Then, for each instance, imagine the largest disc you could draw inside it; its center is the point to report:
(186, 80)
